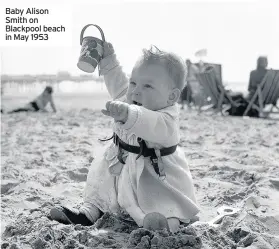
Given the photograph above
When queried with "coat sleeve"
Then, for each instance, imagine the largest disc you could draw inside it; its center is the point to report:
(153, 126)
(115, 79)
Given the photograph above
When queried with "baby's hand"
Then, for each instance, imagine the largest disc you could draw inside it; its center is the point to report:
(108, 49)
(117, 110)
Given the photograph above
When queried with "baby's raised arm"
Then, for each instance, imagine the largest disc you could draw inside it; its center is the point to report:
(115, 79)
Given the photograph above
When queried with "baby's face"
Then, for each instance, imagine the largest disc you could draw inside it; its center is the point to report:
(151, 87)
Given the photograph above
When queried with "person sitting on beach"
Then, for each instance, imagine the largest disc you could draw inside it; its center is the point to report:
(186, 96)
(197, 92)
(256, 76)
(143, 173)
(39, 103)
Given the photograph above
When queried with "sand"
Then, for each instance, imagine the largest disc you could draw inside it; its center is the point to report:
(45, 158)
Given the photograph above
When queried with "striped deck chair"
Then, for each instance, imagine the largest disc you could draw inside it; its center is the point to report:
(214, 88)
(267, 93)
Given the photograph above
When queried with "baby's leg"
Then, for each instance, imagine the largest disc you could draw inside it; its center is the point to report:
(99, 192)
(91, 212)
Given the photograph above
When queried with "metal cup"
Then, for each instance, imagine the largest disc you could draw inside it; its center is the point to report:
(92, 50)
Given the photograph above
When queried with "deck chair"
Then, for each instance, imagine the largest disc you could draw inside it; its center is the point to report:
(214, 88)
(267, 93)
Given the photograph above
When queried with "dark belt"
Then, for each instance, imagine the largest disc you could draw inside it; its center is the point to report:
(154, 154)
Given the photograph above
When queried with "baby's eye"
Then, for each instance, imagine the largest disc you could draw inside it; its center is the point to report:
(148, 86)
(132, 83)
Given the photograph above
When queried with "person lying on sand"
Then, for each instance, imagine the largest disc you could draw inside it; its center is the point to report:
(143, 173)
(39, 103)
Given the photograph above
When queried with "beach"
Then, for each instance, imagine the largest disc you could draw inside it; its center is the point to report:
(45, 158)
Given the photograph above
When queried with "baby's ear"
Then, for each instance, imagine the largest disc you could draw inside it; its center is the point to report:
(174, 96)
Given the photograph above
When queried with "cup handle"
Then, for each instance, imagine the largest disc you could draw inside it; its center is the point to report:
(85, 27)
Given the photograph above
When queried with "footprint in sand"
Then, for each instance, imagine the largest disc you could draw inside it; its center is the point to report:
(83, 170)
(75, 176)
(7, 185)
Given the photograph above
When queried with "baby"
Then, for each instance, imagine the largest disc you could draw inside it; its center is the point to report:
(39, 103)
(142, 172)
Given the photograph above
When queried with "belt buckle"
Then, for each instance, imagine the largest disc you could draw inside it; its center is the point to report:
(159, 163)
(120, 154)
(140, 141)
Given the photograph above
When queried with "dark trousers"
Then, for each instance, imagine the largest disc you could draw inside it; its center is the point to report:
(20, 110)
(34, 105)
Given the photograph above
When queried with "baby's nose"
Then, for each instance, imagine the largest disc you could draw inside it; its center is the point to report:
(137, 91)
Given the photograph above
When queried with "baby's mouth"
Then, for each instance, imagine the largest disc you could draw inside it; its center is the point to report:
(137, 103)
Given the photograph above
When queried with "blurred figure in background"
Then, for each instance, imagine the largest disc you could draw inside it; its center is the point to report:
(196, 90)
(256, 76)
(186, 96)
(201, 66)
(39, 103)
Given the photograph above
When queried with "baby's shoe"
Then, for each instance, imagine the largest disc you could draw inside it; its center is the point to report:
(69, 216)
